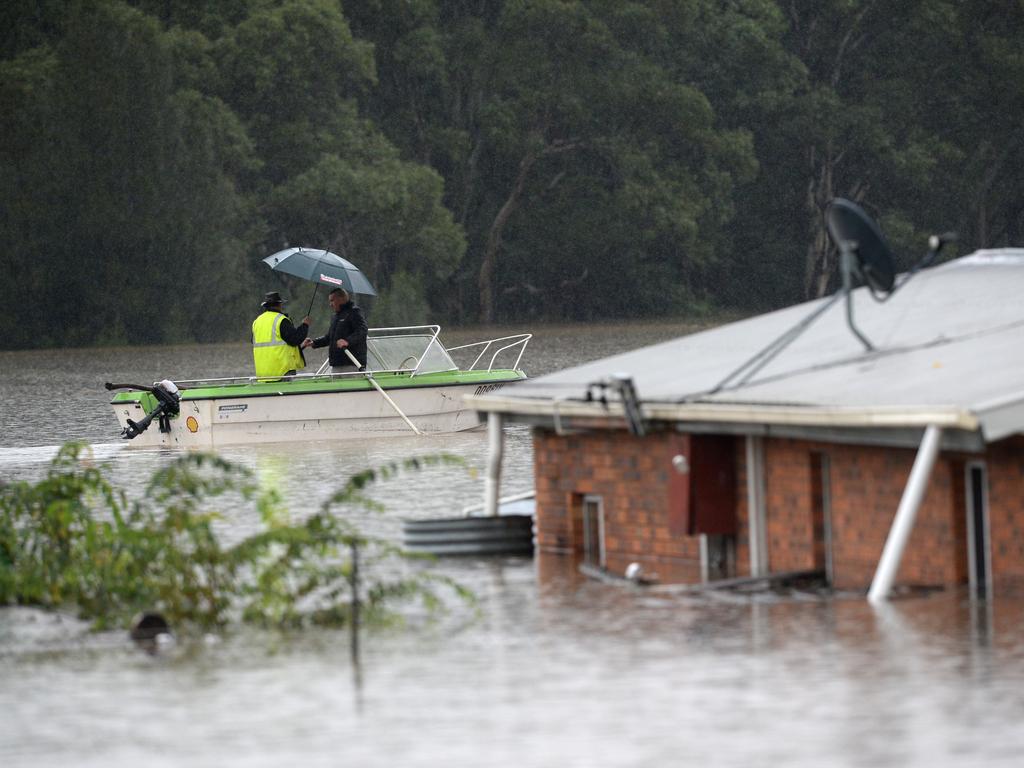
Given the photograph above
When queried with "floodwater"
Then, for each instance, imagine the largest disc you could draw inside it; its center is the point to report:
(551, 670)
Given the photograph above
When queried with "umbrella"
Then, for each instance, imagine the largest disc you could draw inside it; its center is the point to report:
(321, 267)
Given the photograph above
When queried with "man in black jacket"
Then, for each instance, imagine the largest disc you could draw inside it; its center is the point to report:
(347, 331)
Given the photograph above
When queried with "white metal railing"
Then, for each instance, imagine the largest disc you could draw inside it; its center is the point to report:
(521, 340)
(430, 332)
(376, 335)
(264, 380)
(384, 334)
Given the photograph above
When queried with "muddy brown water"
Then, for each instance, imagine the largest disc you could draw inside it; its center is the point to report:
(552, 670)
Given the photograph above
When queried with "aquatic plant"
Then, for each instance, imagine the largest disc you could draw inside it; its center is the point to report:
(73, 540)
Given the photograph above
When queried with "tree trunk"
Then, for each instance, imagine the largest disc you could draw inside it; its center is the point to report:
(984, 189)
(489, 262)
(822, 256)
(820, 252)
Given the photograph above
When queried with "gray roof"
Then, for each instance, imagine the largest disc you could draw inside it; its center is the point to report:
(949, 351)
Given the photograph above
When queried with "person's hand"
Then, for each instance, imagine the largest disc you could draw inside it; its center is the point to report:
(342, 343)
(306, 343)
(307, 320)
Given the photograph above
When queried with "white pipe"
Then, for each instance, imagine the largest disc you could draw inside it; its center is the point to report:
(385, 395)
(903, 523)
(495, 449)
(755, 506)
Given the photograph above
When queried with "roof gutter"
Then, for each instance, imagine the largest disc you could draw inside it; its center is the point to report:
(948, 417)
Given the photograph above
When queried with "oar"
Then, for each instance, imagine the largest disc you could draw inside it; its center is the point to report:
(385, 395)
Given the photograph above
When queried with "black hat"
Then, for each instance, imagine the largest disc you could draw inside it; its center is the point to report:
(273, 298)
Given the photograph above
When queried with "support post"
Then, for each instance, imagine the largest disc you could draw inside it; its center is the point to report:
(755, 506)
(903, 523)
(495, 452)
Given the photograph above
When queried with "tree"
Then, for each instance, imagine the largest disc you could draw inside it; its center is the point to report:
(856, 127)
(292, 71)
(983, 67)
(385, 216)
(123, 204)
(330, 178)
(549, 119)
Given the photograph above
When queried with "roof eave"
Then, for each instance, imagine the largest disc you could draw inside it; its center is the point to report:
(891, 425)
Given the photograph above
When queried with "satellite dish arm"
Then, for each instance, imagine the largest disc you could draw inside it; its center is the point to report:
(848, 266)
(935, 244)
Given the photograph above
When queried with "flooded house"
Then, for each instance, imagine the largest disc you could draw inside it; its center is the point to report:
(878, 442)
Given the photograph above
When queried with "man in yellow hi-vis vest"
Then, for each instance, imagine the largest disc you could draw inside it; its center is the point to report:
(275, 341)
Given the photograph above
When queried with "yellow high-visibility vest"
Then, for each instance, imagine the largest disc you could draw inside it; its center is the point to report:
(272, 355)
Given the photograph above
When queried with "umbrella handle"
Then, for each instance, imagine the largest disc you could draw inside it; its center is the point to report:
(315, 287)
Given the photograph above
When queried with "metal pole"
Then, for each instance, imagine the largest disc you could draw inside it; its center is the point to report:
(310, 309)
(848, 265)
(903, 523)
(755, 506)
(385, 395)
(495, 450)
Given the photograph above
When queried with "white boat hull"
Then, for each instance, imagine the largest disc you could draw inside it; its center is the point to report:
(212, 423)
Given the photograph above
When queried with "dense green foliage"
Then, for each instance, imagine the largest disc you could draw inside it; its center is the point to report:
(73, 540)
(485, 160)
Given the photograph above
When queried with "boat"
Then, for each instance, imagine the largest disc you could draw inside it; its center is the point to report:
(411, 384)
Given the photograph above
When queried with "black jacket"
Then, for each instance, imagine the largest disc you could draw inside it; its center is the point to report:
(292, 335)
(349, 324)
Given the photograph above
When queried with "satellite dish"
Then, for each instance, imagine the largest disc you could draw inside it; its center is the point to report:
(854, 231)
(865, 255)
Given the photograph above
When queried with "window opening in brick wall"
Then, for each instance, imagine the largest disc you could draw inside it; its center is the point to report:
(978, 559)
(593, 531)
(717, 557)
(821, 514)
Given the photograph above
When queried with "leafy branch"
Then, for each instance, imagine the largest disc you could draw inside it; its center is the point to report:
(72, 539)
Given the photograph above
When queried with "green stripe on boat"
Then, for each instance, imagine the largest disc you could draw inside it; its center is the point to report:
(350, 383)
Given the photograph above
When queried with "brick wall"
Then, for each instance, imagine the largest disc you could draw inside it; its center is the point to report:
(1005, 464)
(865, 484)
(631, 475)
(787, 499)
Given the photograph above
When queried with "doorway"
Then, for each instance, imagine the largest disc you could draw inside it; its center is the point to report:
(979, 561)
(821, 514)
(593, 531)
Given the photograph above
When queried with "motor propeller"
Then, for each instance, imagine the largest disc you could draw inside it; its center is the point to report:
(167, 407)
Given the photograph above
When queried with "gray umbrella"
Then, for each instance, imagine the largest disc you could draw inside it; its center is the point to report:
(321, 267)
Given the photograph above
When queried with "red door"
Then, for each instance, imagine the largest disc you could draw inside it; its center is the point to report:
(702, 485)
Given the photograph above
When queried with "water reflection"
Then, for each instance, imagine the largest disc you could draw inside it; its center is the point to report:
(555, 670)
(592, 675)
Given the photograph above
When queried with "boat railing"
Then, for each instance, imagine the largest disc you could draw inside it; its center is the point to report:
(519, 340)
(193, 383)
(430, 335)
(428, 332)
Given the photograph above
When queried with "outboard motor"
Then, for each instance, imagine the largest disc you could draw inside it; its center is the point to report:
(167, 407)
